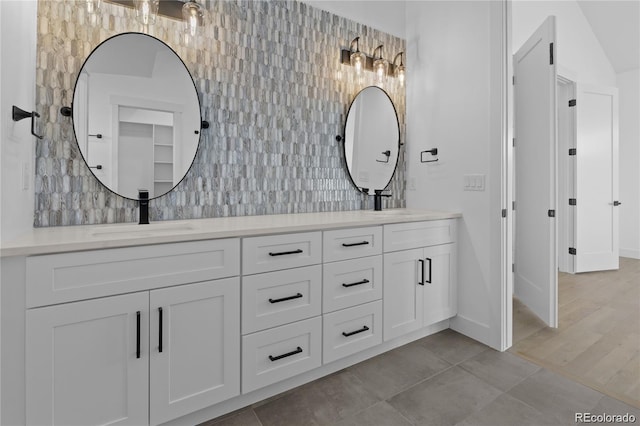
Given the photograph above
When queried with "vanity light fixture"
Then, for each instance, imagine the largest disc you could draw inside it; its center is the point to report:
(92, 6)
(399, 69)
(194, 17)
(380, 66)
(377, 63)
(357, 59)
(146, 11)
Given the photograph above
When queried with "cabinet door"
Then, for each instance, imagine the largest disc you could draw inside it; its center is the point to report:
(83, 363)
(196, 362)
(440, 294)
(403, 298)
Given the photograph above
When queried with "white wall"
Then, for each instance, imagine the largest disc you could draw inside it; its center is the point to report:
(384, 15)
(17, 146)
(629, 110)
(578, 50)
(454, 87)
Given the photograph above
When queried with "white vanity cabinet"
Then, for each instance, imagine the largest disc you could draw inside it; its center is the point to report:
(141, 358)
(420, 278)
(178, 328)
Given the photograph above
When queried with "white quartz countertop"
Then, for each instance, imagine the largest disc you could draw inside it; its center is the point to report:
(90, 237)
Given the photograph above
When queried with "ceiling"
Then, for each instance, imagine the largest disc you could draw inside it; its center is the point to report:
(616, 25)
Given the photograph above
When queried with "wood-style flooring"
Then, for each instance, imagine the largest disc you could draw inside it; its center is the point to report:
(597, 342)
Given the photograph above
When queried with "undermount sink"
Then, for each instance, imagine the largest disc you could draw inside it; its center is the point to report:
(135, 229)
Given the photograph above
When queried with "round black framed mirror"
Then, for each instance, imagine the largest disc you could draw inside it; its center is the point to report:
(136, 115)
(371, 139)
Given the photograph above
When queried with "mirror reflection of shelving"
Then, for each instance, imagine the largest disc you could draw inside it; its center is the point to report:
(162, 159)
(143, 132)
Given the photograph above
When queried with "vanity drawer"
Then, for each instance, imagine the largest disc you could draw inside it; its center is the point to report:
(274, 252)
(343, 244)
(351, 283)
(66, 277)
(277, 298)
(279, 353)
(351, 330)
(404, 236)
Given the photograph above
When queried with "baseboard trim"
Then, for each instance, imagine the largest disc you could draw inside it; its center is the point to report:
(632, 253)
(472, 328)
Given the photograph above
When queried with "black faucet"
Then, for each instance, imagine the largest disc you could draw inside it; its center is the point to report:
(143, 204)
(377, 199)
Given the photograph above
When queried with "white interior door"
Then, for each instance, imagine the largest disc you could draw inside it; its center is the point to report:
(596, 221)
(535, 279)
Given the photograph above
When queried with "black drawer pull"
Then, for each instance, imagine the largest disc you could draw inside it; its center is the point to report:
(351, 333)
(421, 262)
(364, 243)
(275, 358)
(160, 330)
(429, 280)
(282, 253)
(365, 281)
(284, 299)
(138, 334)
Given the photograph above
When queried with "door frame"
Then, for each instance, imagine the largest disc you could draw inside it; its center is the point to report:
(566, 173)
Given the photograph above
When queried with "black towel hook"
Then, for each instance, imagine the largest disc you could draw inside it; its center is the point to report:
(18, 114)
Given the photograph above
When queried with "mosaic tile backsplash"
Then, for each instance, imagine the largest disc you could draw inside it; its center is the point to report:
(271, 85)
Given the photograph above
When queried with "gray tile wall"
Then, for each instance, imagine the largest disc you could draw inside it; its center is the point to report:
(272, 87)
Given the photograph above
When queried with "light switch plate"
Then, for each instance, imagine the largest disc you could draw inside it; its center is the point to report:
(474, 182)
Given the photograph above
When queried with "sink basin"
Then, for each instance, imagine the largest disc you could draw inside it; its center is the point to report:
(135, 229)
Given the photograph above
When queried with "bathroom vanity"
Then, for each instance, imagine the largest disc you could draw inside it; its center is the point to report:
(184, 321)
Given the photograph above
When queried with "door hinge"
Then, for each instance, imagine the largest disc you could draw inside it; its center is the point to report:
(504, 212)
(572, 102)
(550, 53)
(514, 142)
(573, 151)
(513, 80)
(573, 202)
(513, 267)
(551, 213)
(572, 250)
(513, 205)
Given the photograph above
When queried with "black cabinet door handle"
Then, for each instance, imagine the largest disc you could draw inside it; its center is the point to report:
(277, 357)
(421, 262)
(284, 299)
(283, 253)
(363, 243)
(138, 334)
(351, 333)
(159, 329)
(365, 281)
(429, 280)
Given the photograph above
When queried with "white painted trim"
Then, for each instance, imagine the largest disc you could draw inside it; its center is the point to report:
(507, 189)
(471, 328)
(631, 253)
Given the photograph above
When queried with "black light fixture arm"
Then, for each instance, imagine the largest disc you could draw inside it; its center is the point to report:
(18, 114)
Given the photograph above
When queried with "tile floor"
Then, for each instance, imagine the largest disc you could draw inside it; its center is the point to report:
(443, 379)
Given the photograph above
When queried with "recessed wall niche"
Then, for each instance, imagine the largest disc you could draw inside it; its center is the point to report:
(271, 85)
